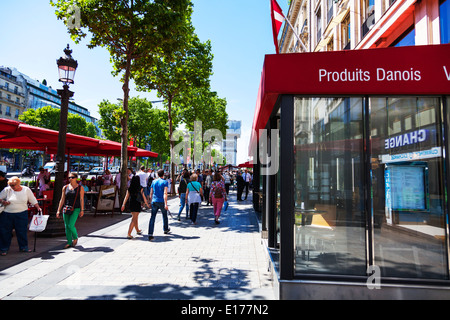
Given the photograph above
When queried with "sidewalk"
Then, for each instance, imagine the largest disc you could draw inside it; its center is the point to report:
(206, 261)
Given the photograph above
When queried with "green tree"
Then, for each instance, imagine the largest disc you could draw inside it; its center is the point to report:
(146, 124)
(48, 117)
(130, 30)
(205, 106)
(188, 68)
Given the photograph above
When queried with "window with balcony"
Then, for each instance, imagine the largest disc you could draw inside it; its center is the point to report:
(368, 16)
(345, 33)
(319, 24)
(329, 10)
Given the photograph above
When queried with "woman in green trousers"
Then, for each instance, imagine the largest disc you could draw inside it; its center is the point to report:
(72, 206)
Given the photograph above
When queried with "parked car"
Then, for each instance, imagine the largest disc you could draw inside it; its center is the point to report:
(97, 171)
(51, 167)
(114, 170)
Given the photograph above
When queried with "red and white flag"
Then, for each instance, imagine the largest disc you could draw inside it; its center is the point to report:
(277, 21)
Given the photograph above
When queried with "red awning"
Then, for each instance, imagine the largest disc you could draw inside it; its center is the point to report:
(417, 70)
(247, 164)
(18, 135)
(144, 153)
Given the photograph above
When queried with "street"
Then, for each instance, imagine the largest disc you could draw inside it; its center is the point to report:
(206, 261)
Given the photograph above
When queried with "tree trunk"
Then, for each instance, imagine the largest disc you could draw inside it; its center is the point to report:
(172, 144)
(124, 135)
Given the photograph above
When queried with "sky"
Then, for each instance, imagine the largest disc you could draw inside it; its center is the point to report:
(32, 39)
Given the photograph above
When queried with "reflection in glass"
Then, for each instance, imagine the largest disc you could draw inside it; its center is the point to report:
(407, 187)
(329, 176)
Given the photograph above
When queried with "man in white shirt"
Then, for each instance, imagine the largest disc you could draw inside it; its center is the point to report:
(143, 176)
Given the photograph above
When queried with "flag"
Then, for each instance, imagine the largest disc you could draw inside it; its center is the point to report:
(277, 21)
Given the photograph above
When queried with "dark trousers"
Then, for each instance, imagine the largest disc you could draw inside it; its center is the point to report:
(155, 207)
(10, 221)
(246, 190)
(240, 188)
(193, 209)
(227, 187)
(206, 193)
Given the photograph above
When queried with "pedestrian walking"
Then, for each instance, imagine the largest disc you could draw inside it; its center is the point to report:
(143, 176)
(184, 180)
(227, 178)
(72, 206)
(240, 185)
(194, 194)
(15, 199)
(247, 179)
(158, 198)
(135, 194)
(218, 195)
(208, 179)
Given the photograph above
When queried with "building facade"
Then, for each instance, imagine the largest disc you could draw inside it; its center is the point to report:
(330, 25)
(230, 143)
(12, 95)
(39, 95)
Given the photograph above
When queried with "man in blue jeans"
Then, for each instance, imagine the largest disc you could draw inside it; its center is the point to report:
(158, 200)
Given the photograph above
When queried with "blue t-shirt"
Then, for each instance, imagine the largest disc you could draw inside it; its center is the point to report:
(158, 186)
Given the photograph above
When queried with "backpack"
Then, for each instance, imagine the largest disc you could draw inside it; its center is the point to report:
(218, 191)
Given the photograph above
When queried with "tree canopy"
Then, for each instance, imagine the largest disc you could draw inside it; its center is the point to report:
(48, 117)
(131, 30)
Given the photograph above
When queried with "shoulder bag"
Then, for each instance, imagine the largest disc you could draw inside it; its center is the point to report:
(69, 209)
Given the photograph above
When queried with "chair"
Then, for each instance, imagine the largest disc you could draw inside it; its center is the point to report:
(47, 204)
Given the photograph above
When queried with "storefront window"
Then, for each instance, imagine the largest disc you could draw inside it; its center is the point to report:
(408, 187)
(329, 189)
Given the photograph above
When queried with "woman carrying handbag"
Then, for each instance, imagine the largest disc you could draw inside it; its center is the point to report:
(72, 207)
(194, 192)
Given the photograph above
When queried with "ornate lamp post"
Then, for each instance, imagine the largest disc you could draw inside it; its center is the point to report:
(66, 67)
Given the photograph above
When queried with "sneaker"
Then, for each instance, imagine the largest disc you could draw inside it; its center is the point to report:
(166, 232)
(150, 238)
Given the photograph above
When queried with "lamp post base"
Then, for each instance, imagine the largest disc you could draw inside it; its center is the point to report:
(55, 228)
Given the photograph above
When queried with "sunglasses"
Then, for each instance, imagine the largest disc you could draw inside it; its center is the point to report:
(72, 178)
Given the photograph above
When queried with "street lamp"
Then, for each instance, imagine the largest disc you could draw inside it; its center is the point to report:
(66, 67)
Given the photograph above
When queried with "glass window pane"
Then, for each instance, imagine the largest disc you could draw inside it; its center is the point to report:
(444, 16)
(329, 200)
(407, 187)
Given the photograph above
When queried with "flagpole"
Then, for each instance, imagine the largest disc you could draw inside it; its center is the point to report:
(295, 33)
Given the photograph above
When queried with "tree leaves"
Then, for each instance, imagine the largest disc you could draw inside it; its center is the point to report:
(48, 117)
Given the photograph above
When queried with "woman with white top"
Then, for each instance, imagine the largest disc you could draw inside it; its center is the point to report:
(15, 198)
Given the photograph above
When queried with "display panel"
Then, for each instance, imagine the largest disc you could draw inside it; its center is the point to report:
(407, 187)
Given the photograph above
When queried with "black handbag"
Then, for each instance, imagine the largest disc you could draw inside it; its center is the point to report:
(69, 209)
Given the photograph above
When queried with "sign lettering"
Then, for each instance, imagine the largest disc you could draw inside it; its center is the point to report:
(381, 74)
(406, 139)
(447, 74)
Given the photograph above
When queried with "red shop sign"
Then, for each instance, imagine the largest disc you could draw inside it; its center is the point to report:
(418, 70)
